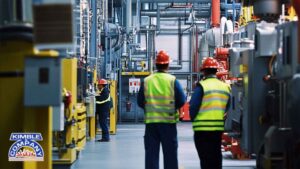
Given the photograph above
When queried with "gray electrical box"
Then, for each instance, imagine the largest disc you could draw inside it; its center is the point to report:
(58, 122)
(265, 38)
(91, 106)
(42, 82)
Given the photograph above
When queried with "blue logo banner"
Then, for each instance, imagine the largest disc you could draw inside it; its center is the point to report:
(25, 147)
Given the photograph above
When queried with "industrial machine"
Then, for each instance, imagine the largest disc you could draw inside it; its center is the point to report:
(51, 61)
(263, 77)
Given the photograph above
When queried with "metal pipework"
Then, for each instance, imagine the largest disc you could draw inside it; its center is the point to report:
(215, 13)
(173, 1)
(175, 13)
(128, 15)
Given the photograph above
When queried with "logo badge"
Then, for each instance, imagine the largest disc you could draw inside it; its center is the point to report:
(26, 147)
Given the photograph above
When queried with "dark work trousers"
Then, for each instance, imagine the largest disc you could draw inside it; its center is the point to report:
(208, 145)
(166, 135)
(103, 121)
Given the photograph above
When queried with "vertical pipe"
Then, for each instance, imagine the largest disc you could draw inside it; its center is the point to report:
(179, 42)
(215, 13)
(128, 15)
(226, 11)
(138, 10)
(106, 11)
(106, 49)
(148, 51)
(93, 46)
(112, 11)
(157, 19)
(190, 63)
(233, 8)
(153, 47)
(196, 55)
(120, 92)
(296, 4)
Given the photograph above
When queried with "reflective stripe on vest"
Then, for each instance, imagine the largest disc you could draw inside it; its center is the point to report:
(104, 101)
(211, 112)
(160, 99)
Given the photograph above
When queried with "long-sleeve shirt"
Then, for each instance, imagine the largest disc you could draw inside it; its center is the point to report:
(180, 97)
(196, 101)
(102, 105)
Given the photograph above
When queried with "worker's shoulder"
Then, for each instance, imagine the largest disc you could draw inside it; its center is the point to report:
(165, 75)
(170, 76)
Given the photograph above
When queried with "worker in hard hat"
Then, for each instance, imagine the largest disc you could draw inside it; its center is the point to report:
(208, 105)
(161, 95)
(103, 103)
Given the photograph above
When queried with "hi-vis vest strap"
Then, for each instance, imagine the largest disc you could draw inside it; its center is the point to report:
(211, 113)
(104, 101)
(160, 99)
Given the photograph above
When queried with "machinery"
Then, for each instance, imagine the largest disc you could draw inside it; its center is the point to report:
(51, 61)
(262, 75)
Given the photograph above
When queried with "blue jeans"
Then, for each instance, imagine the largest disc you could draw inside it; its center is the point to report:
(103, 121)
(166, 135)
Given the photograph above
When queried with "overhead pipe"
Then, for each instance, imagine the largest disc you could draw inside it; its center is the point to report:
(177, 14)
(174, 1)
(215, 13)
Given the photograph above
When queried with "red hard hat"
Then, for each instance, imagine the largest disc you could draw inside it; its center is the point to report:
(210, 63)
(102, 81)
(162, 58)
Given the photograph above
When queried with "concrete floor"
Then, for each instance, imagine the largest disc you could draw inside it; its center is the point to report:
(126, 151)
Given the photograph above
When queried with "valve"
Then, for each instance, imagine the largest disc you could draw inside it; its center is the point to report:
(128, 105)
(67, 98)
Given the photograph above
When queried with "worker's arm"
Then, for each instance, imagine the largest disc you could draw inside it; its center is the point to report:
(103, 97)
(179, 95)
(141, 97)
(196, 101)
(228, 104)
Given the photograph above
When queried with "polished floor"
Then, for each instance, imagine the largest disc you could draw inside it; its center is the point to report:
(126, 151)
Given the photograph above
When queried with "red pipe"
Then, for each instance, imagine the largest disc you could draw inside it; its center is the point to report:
(296, 4)
(222, 53)
(215, 13)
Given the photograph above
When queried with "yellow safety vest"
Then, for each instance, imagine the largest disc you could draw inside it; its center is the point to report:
(211, 112)
(104, 101)
(160, 99)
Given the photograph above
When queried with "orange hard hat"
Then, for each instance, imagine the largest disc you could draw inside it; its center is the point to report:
(210, 63)
(162, 58)
(102, 81)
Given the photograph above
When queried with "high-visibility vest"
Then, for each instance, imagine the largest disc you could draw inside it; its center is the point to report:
(103, 101)
(211, 112)
(160, 99)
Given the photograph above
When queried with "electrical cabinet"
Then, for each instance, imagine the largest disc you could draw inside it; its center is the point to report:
(42, 82)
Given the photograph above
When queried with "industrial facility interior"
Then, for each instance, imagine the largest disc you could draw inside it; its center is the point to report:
(53, 52)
